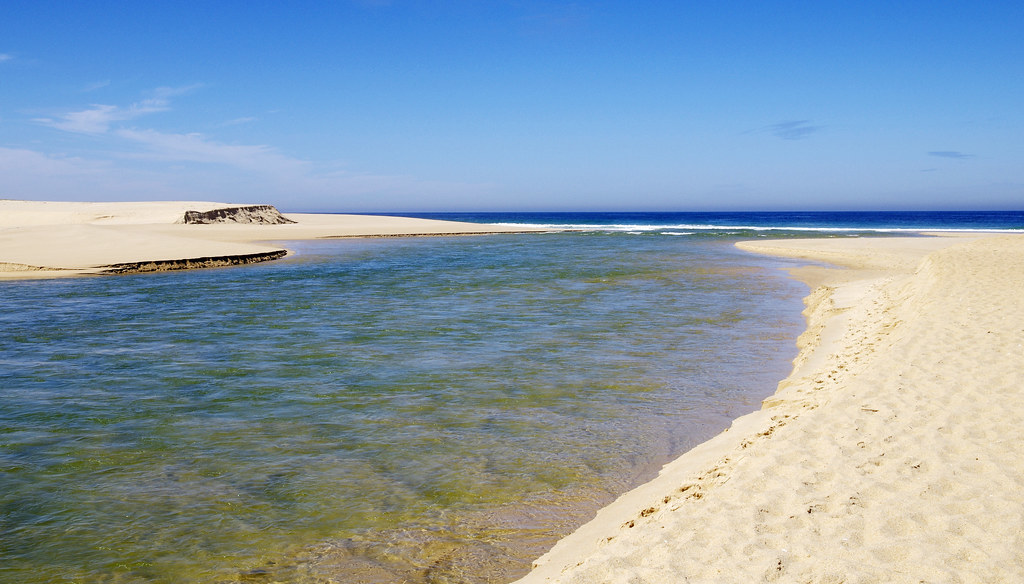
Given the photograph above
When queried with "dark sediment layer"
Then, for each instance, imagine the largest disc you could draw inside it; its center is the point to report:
(193, 263)
(250, 214)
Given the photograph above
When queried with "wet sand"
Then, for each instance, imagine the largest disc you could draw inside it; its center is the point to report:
(890, 454)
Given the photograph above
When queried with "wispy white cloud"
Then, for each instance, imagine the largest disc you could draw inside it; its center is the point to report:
(232, 173)
(195, 147)
(138, 163)
(38, 163)
(95, 85)
(950, 154)
(98, 118)
(166, 93)
(32, 175)
(6, 57)
(793, 130)
(788, 130)
(102, 119)
(239, 121)
(95, 120)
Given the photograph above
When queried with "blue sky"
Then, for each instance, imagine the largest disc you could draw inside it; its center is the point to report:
(519, 105)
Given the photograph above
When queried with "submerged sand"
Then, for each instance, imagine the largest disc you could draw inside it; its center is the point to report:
(892, 453)
(53, 239)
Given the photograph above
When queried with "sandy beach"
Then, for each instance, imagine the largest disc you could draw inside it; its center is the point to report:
(890, 454)
(40, 239)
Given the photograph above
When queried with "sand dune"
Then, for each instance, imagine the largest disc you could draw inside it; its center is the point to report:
(54, 239)
(891, 454)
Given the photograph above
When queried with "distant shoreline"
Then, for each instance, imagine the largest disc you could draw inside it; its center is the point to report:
(40, 239)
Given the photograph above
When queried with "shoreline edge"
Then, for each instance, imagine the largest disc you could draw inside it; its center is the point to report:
(889, 454)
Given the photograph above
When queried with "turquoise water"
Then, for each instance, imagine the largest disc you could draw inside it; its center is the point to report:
(422, 410)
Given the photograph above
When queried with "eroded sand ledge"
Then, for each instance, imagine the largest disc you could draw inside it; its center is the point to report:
(890, 454)
(40, 239)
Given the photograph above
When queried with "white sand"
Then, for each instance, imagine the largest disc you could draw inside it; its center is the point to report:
(54, 239)
(892, 453)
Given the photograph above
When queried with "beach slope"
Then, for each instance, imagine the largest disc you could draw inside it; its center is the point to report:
(890, 454)
(52, 239)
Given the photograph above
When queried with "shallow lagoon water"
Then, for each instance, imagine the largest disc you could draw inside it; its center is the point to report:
(432, 410)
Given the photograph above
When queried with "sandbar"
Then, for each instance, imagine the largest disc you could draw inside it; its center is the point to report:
(44, 239)
(892, 453)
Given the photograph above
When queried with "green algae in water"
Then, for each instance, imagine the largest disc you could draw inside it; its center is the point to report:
(424, 410)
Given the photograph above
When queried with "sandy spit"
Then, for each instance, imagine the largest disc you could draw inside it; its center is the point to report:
(892, 453)
(42, 239)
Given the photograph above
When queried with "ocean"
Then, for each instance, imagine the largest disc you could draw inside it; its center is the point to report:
(754, 224)
(386, 410)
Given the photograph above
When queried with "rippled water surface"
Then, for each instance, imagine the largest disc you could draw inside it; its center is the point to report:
(423, 410)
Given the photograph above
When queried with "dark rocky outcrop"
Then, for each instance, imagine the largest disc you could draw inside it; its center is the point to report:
(193, 263)
(250, 214)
